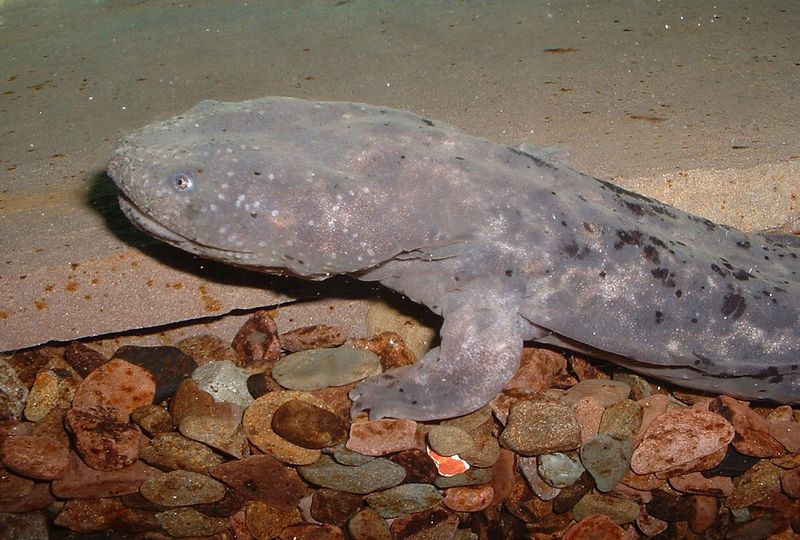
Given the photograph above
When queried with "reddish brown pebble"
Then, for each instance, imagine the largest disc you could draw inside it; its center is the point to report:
(116, 384)
(333, 506)
(104, 441)
(669, 506)
(319, 336)
(221, 431)
(37, 498)
(368, 525)
(153, 419)
(597, 527)
(390, 347)
(703, 512)
(679, 436)
(206, 348)
(790, 482)
(588, 412)
(81, 481)
(419, 467)
(427, 525)
(716, 486)
(536, 427)
(28, 363)
(537, 371)
(604, 391)
(42, 458)
(620, 511)
(263, 478)
(83, 358)
(752, 431)
(256, 343)
(96, 515)
(310, 531)
(652, 408)
(786, 432)
(169, 366)
(171, 451)
(381, 437)
(469, 498)
(13, 486)
(265, 522)
(182, 488)
(307, 425)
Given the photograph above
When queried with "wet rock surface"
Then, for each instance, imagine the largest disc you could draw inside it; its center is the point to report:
(147, 444)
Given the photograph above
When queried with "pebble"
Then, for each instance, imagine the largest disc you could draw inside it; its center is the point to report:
(703, 513)
(206, 348)
(13, 486)
(168, 365)
(266, 522)
(607, 459)
(622, 419)
(50, 390)
(668, 506)
(418, 336)
(469, 498)
(404, 499)
(343, 456)
(257, 424)
(190, 400)
(171, 451)
(450, 440)
(679, 436)
(381, 437)
(620, 511)
(374, 475)
(599, 527)
(35, 456)
(536, 427)
(761, 480)
(181, 488)
(752, 430)
(368, 525)
(263, 478)
(652, 407)
(605, 391)
(32, 526)
(103, 440)
(448, 465)
(256, 343)
(570, 495)
(333, 506)
(319, 368)
(153, 419)
(38, 498)
(83, 359)
(419, 467)
(559, 470)
(529, 468)
(96, 515)
(390, 348)
(786, 432)
(696, 483)
(81, 481)
(487, 449)
(307, 425)
(790, 483)
(319, 336)
(13, 393)
(589, 413)
(224, 382)
(117, 384)
(311, 531)
(538, 370)
(472, 477)
(189, 522)
(432, 524)
(650, 526)
(221, 432)
(482, 418)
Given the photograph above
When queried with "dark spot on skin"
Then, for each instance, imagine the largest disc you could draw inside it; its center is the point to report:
(651, 254)
(718, 270)
(572, 249)
(701, 360)
(456, 278)
(632, 238)
(733, 305)
(659, 317)
(678, 293)
(663, 275)
(537, 160)
(563, 223)
(253, 214)
(694, 320)
(771, 371)
(401, 389)
(427, 122)
(636, 209)
(457, 157)
(602, 274)
(743, 245)
(509, 273)
(182, 181)
(413, 401)
(742, 275)
(256, 173)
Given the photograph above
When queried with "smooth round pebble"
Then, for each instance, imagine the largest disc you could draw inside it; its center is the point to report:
(620, 511)
(103, 440)
(34, 456)
(381, 437)
(450, 440)
(559, 470)
(622, 419)
(472, 477)
(368, 525)
(307, 425)
(265, 521)
(182, 488)
(224, 382)
(404, 499)
(530, 470)
(171, 451)
(536, 427)
(469, 498)
(605, 391)
(375, 475)
(168, 365)
(49, 390)
(13, 393)
(597, 527)
(264, 478)
(319, 368)
(607, 459)
(183, 522)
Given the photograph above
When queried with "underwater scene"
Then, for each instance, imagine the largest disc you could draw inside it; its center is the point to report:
(359, 269)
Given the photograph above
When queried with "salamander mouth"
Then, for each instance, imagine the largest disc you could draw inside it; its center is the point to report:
(153, 227)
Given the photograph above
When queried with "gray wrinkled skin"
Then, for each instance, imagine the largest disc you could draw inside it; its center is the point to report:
(506, 244)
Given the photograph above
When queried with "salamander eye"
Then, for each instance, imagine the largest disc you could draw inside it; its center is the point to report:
(182, 181)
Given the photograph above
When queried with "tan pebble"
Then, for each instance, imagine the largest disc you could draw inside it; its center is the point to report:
(49, 390)
(679, 436)
(450, 440)
(263, 478)
(153, 419)
(621, 420)
(786, 432)
(589, 412)
(265, 522)
(206, 348)
(469, 498)
(652, 407)
(256, 344)
(417, 336)
(716, 486)
(380, 437)
(620, 511)
(649, 525)
(308, 426)
(761, 480)
(80, 481)
(189, 522)
(311, 531)
(536, 428)
(223, 434)
(182, 488)
(318, 336)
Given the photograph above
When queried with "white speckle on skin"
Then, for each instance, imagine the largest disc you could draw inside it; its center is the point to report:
(274, 213)
(229, 174)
